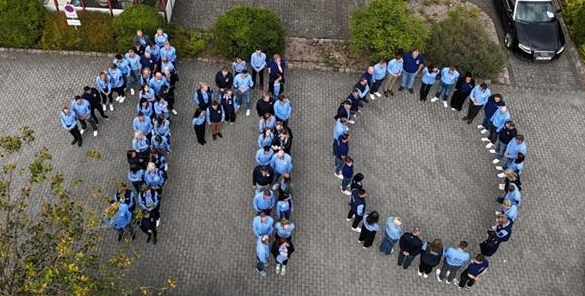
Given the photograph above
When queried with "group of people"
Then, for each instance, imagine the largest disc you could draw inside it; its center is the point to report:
(147, 69)
(502, 140)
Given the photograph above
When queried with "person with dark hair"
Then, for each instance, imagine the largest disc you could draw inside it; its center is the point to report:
(369, 229)
(198, 123)
(243, 85)
(284, 185)
(82, 110)
(284, 229)
(125, 196)
(506, 135)
(477, 99)
(92, 95)
(356, 181)
(516, 166)
(512, 194)
(122, 222)
(463, 88)
(474, 271)
(135, 158)
(282, 142)
(162, 127)
(69, 123)
(341, 151)
(142, 124)
(258, 63)
(518, 145)
(503, 230)
(490, 245)
(496, 125)
(340, 128)
(265, 105)
(368, 75)
(161, 107)
(117, 84)
(363, 89)
(281, 250)
(148, 226)
(264, 201)
(494, 102)
(229, 105)
(134, 67)
(224, 79)
(413, 64)
(394, 69)
(136, 176)
(215, 118)
(354, 98)
(347, 174)
(145, 107)
(281, 163)
(410, 246)
(265, 138)
(357, 208)
(428, 79)
(454, 259)
(449, 77)
(148, 201)
(344, 110)
(284, 205)
(283, 109)
(262, 253)
(431, 253)
(262, 177)
(172, 78)
(276, 67)
(266, 121)
(378, 77)
(262, 224)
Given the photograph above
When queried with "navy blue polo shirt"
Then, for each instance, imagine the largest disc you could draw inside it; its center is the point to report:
(477, 268)
(411, 64)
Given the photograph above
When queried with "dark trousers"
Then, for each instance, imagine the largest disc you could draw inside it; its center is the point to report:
(425, 268)
(100, 110)
(261, 74)
(230, 116)
(200, 133)
(465, 279)
(367, 236)
(457, 100)
(76, 134)
(356, 220)
(137, 185)
(404, 261)
(424, 91)
(119, 90)
(122, 230)
(171, 99)
(472, 111)
(105, 98)
(91, 122)
(376, 85)
(271, 84)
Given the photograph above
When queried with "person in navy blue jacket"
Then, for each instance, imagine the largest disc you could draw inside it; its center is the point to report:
(347, 173)
(198, 123)
(69, 123)
(215, 118)
(357, 208)
(229, 105)
(92, 95)
(410, 246)
(341, 151)
(276, 66)
(345, 110)
(493, 103)
(369, 229)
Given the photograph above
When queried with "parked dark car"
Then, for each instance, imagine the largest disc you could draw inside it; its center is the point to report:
(531, 28)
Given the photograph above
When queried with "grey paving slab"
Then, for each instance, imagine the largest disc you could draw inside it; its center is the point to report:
(420, 160)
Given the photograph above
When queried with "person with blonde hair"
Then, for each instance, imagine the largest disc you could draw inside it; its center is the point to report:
(284, 229)
(276, 67)
(430, 257)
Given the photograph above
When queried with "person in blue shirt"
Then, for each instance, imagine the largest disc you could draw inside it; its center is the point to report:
(243, 84)
(474, 272)
(509, 210)
(282, 109)
(512, 194)
(512, 149)
(262, 253)
(369, 229)
(357, 208)
(69, 123)
(281, 163)
(341, 151)
(378, 77)
(284, 205)
(161, 143)
(134, 62)
(154, 51)
(516, 166)
(82, 110)
(154, 178)
(258, 63)
(140, 38)
(238, 66)
(140, 143)
(145, 108)
(157, 82)
(496, 124)
(394, 69)
(284, 229)
(198, 123)
(264, 201)
(491, 106)
(393, 232)
(265, 138)
(136, 176)
(203, 96)
(262, 225)
(124, 196)
(124, 67)
(123, 221)
(276, 68)
(160, 37)
(340, 128)
(347, 173)
(449, 77)
(428, 78)
(477, 99)
(162, 127)
(142, 124)
(264, 155)
(148, 200)
(267, 121)
(104, 86)
(413, 63)
(168, 51)
(161, 108)
(454, 258)
(117, 84)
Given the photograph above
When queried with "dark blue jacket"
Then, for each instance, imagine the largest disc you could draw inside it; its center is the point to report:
(492, 106)
(342, 148)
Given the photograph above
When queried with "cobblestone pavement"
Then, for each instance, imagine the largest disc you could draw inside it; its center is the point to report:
(421, 162)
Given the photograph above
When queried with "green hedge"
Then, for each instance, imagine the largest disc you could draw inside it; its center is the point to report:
(383, 28)
(574, 14)
(133, 18)
(243, 29)
(94, 34)
(461, 41)
(21, 22)
(188, 43)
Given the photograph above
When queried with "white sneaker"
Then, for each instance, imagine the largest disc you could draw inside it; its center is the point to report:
(176, 113)
(437, 272)
(501, 175)
(346, 192)
(95, 133)
(104, 107)
(493, 151)
(377, 94)
(248, 112)
(166, 166)
(495, 161)
(372, 97)
(485, 139)
(122, 99)
(497, 213)
(483, 131)
(419, 273)
(111, 107)
(499, 168)
(357, 229)
(425, 275)
(452, 109)
(82, 131)
(283, 270)
(117, 99)
(351, 121)
(455, 282)
(447, 282)
(445, 104)
(340, 176)
(494, 227)
(157, 222)
(132, 92)
(480, 127)
(502, 186)
(349, 219)
(434, 99)
(490, 145)
(277, 269)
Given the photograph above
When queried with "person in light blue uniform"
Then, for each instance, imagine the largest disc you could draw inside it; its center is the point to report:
(281, 163)
(238, 66)
(135, 64)
(104, 86)
(393, 232)
(284, 205)
(82, 110)
(69, 123)
(339, 129)
(262, 253)
(161, 108)
(264, 201)
(267, 121)
(264, 155)
(148, 200)
(453, 259)
(258, 63)
(512, 149)
(160, 37)
(140, 143)
(169, 51)
(449, 77)
(162, 127)
(284, 229)
(117, 83)
(262, 225)
(477, 99)
(154, 51)
(243, 84)
(136, 176)
(428, 78)
(265, 138)
(161, 143)
(124, 67)
(142, 124)
(369, 229)
(157, 82)
(198, 121)
(123, 222)
(282, 109)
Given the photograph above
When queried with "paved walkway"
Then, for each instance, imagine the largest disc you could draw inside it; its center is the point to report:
(421, 162)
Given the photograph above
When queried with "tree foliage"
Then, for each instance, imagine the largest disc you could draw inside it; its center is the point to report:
(574, 14)
(384, 27)
(243, 29)
(21, 22)
(52, 249)
(461, 41)
(136, 17)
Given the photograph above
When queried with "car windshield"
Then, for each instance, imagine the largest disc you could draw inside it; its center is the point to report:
(535, 11)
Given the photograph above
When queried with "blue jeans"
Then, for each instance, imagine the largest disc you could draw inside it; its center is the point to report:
(338, 165)
(407, 80)
(404, 261)
(507, 162)
(345, 183)
(387, 245)
(134, 78)
(500, 148)
(246, 95)
(444, 89)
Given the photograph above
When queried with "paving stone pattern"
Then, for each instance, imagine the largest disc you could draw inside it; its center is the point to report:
(420, 160)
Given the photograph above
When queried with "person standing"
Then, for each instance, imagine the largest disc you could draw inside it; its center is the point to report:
(123, 221)
(276, 67)
(262, 177)
(513, 148)
(262, 253)
(69, 123)
(393, 70)
(264, 201)
(215, 119)
(82, 110)
(369, 229)
(282, 109)
(491, 106)
(136, 176)
(462, 90)
(449, 76)
(148, 226)
(454, 259)
(477, 99)
(378, 77)
(429, 76)
(258, 63)
(135, 68)
(503, 230)
(357, 208)
(281, 163)
(104, 85)
(198, 123)
(474, 272)
(284, 229)
(490, 245)
(281, 250)
(224, 79)
(410, 246)
(496, 124)
(169, 51)
(118, 86)
(142, 124)
(431, 253)
(363, 89)
(203, 96)
(506, 135)
(262, 225)
(229, 106)
(413, 63)
(393, 233)
(265, 105)
(347, 173)
(92, 95)
(238, 66)
(141, 39)
(243, 85)
(341, 151)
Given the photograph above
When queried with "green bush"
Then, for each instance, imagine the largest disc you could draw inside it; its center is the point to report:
(575, 19)
(133, 18)
(189, 43)
(21, 22)
(241, 30)
(94, 34)
(461, 41)
(384, 27)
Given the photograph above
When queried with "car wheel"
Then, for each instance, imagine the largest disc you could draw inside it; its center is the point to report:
(508, 40)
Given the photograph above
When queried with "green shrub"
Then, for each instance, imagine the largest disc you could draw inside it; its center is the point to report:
(133, 18)
(575, 16)
(189, 43)
(461, 41)
(384, 27)
(21, 22)
(241, 30)
(94, 34)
